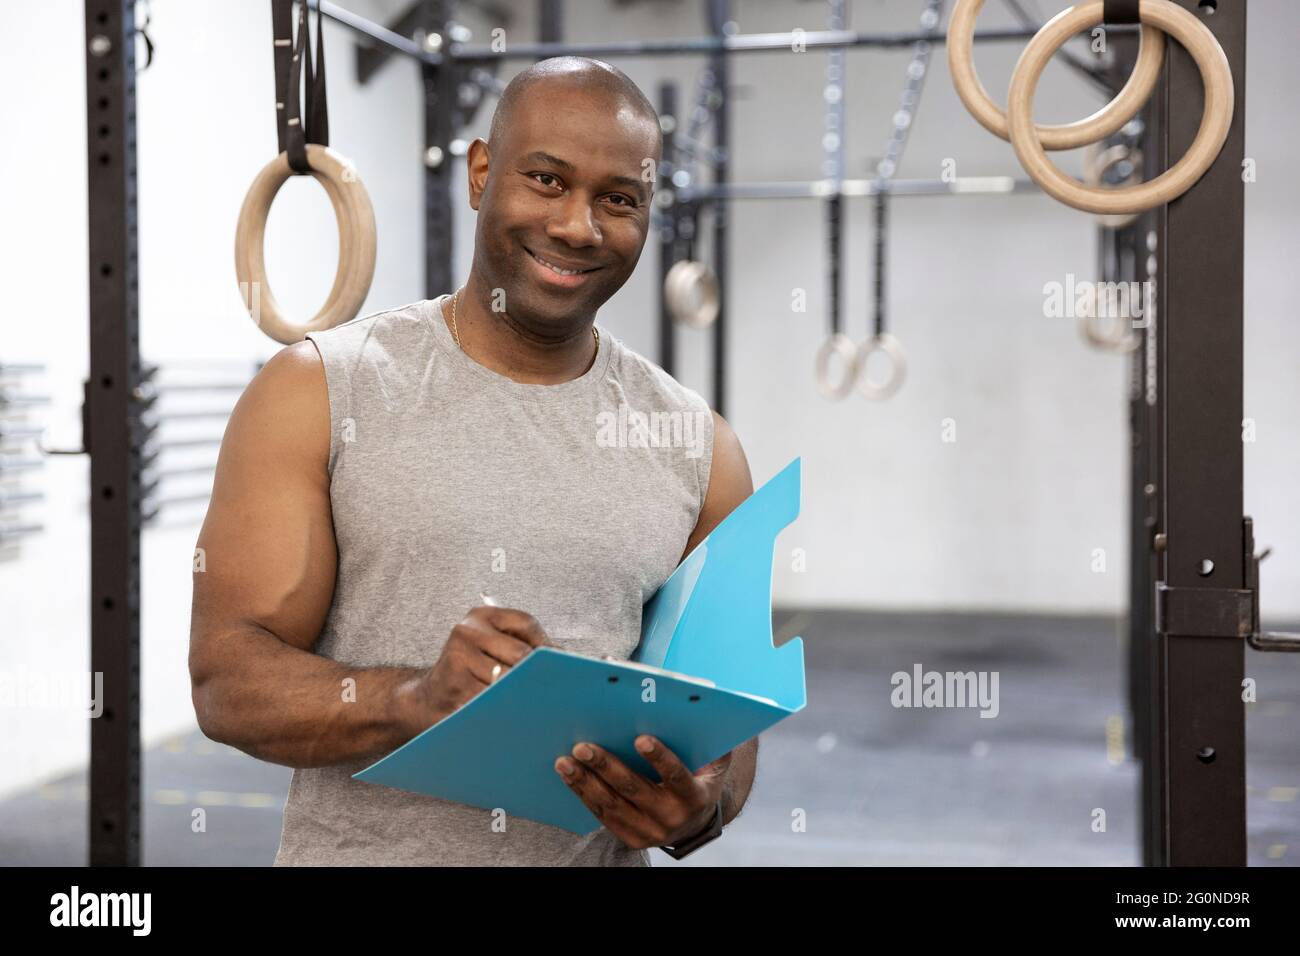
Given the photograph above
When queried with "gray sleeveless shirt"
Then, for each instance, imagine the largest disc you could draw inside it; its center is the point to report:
(572, 502)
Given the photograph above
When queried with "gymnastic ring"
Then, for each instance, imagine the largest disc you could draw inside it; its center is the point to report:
(843, 346)
(1096, 160)
(691, 294)
(1107, 120)
(1106, 337)
(1216, 117)
(356, 266)
(884, 342)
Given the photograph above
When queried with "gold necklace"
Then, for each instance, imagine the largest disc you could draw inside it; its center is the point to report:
(456, 332)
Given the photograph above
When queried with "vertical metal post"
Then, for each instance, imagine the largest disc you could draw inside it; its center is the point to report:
(719, 17)
(1127, 252)
(439, 129)
(1138, 241)
(1198, 755)
(113, 432)
(550, 22)
(668, 225)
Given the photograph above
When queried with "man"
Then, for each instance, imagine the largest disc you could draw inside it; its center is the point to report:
(377, 479)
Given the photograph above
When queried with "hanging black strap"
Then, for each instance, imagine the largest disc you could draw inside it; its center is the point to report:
(881, 224)
(318, 127)
(291, 60)
(835, 253)
(1120, 11)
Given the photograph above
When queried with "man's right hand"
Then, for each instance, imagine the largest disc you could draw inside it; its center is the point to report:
(487, 636)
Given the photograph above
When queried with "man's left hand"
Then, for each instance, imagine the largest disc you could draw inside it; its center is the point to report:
(641, 812)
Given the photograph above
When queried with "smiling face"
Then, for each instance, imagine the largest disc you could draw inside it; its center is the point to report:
(563, 198)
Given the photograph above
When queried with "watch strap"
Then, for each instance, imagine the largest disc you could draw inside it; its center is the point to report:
(708, 834)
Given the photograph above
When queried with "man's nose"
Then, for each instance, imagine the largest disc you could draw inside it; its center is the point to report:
(572, 221)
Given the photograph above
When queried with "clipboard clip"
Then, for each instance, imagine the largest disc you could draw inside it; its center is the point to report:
(651, 669)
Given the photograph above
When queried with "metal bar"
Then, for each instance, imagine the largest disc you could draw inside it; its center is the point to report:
(1145, 494)
(20, 530)
(23, 401)
(10, 432)
(1201, 760)
(7, 501)
(161, 444)
(1152, 423)
(833, 150)
(854, 188)
(1131, 248)
(439, 128)
(1102, 79)
(188, 472)
(492, 84)
(720, 17)
(9, 464)
(667, 224)
(112, 438)
(1153, 778)
(686, 46)
(738, 43)
(181, 500)
(411, 23)
(165, 387)
(223, 414)
(394, 42)
(371, 56)
(550, 21)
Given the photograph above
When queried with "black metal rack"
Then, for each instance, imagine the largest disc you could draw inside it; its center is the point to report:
(113, 432)
(1194, 774)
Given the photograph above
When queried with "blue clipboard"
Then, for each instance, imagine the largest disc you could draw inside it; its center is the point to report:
(704, 678)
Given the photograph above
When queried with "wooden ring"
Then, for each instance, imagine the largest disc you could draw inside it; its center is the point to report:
(1104, 333)
(691, 293)
(841, 345)
(1097, 160)
(1107, 120)
(356, 266)
(884, 342)
(1106, 326)
(1216, 117)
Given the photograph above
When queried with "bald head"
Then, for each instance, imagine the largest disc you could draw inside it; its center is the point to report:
(559, 73)
(564, 191)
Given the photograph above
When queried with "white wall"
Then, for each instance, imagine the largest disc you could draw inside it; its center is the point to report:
(1008, 517)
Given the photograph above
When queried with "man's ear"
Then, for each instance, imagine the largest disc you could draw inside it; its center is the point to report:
(477, 163)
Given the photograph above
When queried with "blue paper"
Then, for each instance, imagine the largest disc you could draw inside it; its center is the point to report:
(704, 679)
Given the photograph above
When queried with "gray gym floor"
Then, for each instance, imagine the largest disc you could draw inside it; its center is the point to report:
(877, 785)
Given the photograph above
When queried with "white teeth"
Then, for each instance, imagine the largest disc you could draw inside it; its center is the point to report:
(556, 269)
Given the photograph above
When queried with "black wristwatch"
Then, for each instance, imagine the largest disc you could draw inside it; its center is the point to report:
(708, 834)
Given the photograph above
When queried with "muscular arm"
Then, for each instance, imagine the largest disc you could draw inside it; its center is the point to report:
(729, 484)
(269, 558)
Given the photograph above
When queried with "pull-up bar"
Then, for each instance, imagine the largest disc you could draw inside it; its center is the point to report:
(687, 46)
(824, 188)
(735, 43)
(395, 42)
